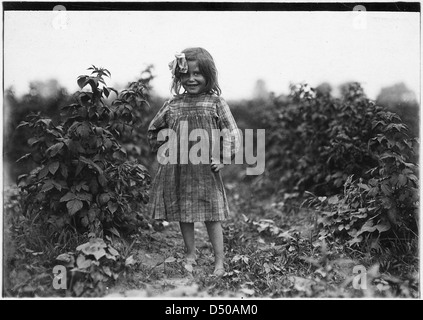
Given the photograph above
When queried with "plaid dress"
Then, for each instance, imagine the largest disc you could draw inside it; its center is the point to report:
(185, 191)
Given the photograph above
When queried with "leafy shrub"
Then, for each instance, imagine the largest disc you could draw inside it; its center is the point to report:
(94, 265)
(84, 181)
(355, 157)
(46, 97)
(387, 201)
(317, 141)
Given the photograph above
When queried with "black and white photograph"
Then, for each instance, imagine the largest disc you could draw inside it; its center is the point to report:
(221, 152)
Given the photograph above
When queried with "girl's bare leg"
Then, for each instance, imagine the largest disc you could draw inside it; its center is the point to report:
(187, 230)
(214, 229)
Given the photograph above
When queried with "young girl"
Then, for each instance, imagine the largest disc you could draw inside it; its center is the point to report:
(189, 191)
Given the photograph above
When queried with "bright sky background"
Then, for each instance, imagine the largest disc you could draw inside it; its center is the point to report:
(278, 47)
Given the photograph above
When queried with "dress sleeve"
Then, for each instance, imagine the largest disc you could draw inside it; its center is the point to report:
(231, 136)
(158, 123)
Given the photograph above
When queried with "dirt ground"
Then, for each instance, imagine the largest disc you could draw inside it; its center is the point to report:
(161, 255)
(173, 278)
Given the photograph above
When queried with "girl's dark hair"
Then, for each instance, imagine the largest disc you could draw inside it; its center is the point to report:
(206, 66)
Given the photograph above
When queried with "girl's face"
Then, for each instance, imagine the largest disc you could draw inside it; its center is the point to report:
(193, 81)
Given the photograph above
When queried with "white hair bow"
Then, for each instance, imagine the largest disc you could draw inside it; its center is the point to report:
(179, 61)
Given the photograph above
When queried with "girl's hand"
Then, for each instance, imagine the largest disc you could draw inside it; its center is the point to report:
(216, 167)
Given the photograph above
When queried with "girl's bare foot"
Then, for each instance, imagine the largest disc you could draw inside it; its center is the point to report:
(219, 269)
(218, 272)
(191, 259)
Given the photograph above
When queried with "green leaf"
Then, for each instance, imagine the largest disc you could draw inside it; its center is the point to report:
(83, 130)
(333, 200)
(114, 231)
(99, 253)
(48, 185)
(106, 92)
(114, 90)
(410, 165)
(93, 81)
(91, 245)
(55, 148)
(363, 186)
(64, 170)
(79, 168)
(376, 123)
(82, 185)
(386, 189)
(107, 271)
(103, 198)
(22, 124)
(91, 163)
(102, 180)
(170, 259)
(402, 180)
(43, 172)
(413, 178)
(83, 196)
(74, 206)
(367, 227)
(83, 263)
(65, 257)
(130, 261)
(53, 167)
(46, 122)
(397, 126)
(33, 140)
(24, 157)
(112, 206)
(383, 226)
(82, 81)
(386, 156)
(113, 251)
(58, 186)
(68, 196)
(21, 177)
(355, 240)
